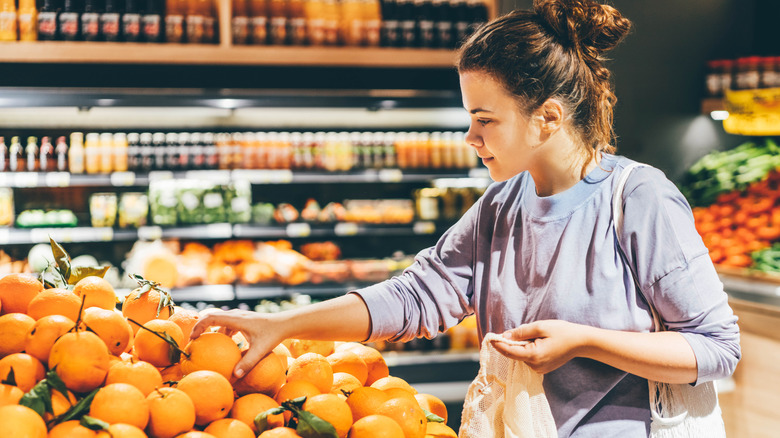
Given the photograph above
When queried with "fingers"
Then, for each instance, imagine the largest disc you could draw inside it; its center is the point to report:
(209, 320)
(516, 352)
(250, 359)
(524, 332)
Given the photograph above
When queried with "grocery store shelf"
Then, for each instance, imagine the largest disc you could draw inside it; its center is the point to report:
(12, 236)
(59, 52)
(259, 176)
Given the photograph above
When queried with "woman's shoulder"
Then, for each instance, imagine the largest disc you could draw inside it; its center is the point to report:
(645, 182)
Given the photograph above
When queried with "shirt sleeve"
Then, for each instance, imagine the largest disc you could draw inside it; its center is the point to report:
(675, 272)
(433, 294)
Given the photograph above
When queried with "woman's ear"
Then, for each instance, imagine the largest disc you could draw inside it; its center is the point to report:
(550, 116)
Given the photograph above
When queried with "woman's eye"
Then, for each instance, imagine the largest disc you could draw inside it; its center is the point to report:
(483, 122)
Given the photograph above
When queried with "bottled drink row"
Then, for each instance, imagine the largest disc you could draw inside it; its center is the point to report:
(144, 152)
(747, 73)
(392, 23)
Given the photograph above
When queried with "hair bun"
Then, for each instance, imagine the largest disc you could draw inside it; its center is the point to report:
(584, 23)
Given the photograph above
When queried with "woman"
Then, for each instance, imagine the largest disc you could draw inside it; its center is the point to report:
(537, 258)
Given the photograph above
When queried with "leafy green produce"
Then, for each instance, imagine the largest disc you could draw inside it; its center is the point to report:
(767, 260)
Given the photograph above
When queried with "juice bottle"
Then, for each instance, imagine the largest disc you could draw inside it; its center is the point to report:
(90, 21)
(211, 154)
(131, 22)
(372, 23)
(61, 151)
(437, 148)
(16, 158)
(3, 155)
(7, 20)
(191, 154)
(152, 30)
(258, 11)
(106, 152)
(447, 152)
(209, 22)
(146, 151)
(47, 21)
(236, 142)
(133, 152)
(296, 24)
(69, 21)
(28, 21)
(332, 20)
(390, 24)
(408, 24)
(91, 153)
(31, 152)
(425, 24)
(315, 22)
(196, 22)
(48, 159)
(76, 153)
(442, 16)
(351, 26)
(174, 20)
(240, 22)
(158, 150)
(278, 22)
(461, 21)
(121, 151)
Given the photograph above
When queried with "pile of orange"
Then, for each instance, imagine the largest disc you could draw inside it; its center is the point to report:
(141, 389)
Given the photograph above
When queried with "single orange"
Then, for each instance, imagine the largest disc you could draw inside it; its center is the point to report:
(111, 327)
(313, 368)
(349, 362)
(432, 404)
(13, 332)
(279, 432)
(185, 319)
(211, 394)
(21, 421)
(439, 430)
(296, 389)
(229, 428)
(151, 348)
(98, 293)
(16, 292)
(365, 401)
(27, 370)
(138, 373)
(54, 302)
(211, 351)
(400, 393)
(393, 382)
(143, 307)
(407, 414)
(81, 360)
(344, 382)
(332, 409)
(171, 412)
(266, 377)
(246, 408)
(376, 426)
(120, 403)
(41, 337)
(377, 367)
(71, 429)
(10, 395)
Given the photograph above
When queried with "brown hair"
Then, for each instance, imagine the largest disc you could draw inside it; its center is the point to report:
(554, 51)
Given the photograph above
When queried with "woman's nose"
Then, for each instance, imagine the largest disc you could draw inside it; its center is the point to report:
(472, 139)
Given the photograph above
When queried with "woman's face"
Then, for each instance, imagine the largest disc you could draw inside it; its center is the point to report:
(501, 135)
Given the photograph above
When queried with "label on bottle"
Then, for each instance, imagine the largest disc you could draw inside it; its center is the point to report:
(259, 30)
(174, 28)
(27, 27)
(109, 26)
(151, 28)
(297, 31)
(69, 25)
(90, 26)
(748, 80)
(7, 26)
(278, 30)
(316, 31)
(47, 25)
(196, 29)
(240, 30)
(131, 27)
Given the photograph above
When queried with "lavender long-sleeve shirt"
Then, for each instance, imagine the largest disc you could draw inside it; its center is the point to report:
(516, 258)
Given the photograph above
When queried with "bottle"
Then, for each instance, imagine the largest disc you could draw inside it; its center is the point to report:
(106, 152)
(16, 158)
(442, 13)
(196, 22)
(174, 20)
(133, 152)
(92, 153)
(748, 76)
(120, 154)
(28, 21)
(172, 142)
(478, 13)
(462, 20)
(315, 22)
(131, 22)
(391, 34)
(351, 23)
(147, 152)
(47, 21)
(76, 153)
(332, 19)
(90, 21)
(8, 20)
(258, 10)
(408, 24)
(425, 25)
(191, 153)
(69, 21)
(158, 148)
(61, 151)
(3, 155)
(211, 154)
(296, 24)
(209, 22)
(769, 72)
(372, 22)
(240, 22)
(152, 18)
(48, 159)
(277, 10)
(713, 78)
(31, 152)
(110, 22)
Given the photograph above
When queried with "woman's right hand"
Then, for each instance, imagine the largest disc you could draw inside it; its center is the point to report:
(261, 330)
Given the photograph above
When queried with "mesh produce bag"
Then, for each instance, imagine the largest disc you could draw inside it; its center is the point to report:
(506, 399)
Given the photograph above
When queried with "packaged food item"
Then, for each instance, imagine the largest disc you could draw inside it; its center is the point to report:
(103, 209)
(162, 202)
(263, 213)
(6, 207)
(321, 251)
(238, 199)
(189, 202)
(41, 218)
(133, 210)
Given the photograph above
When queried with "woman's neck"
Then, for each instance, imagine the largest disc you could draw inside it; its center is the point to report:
(559, 165)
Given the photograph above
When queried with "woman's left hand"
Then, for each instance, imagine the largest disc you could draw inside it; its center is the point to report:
(551, 344)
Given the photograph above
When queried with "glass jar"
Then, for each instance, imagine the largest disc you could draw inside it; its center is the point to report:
(748, 74)
(102, 209)
(133, 210)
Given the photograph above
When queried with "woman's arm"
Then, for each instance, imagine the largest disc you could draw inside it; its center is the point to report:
(340, 319)
(663, 356)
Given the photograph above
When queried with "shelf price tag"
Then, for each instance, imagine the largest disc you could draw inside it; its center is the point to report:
(57, 179)
(26, 179)
(215, 176)
(298, 230)
(391, 175)
(219, 231)
(150, 232)
(479, 172)
(424, 228)
(265, 176)
(122, 179)
(346, 229)
(160, 175)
